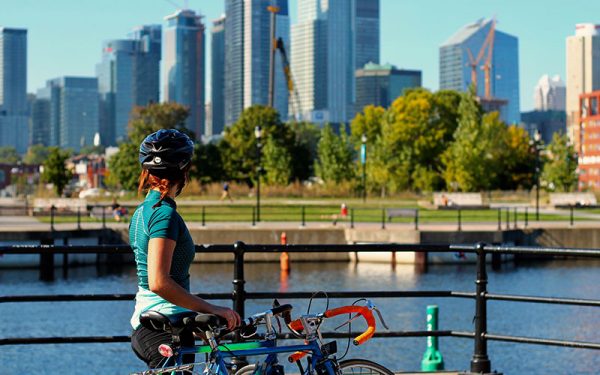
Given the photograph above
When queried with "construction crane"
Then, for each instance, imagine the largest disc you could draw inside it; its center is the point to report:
(487, 46)
(278, 45)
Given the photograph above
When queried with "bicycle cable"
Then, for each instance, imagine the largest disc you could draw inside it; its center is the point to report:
(350, 329)
(316, 294)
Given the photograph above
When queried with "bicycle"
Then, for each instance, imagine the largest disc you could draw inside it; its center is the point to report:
(320, 358)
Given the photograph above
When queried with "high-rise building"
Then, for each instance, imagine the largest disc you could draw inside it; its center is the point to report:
(586, 144)
(455, 69)
(184, 73)
(546, 123)
(380, 85)
(549, 94)
(217, 65)
(74, 111)
(367, 32)
(40, 119)
(323, 59)
(247, 56)
(14, 126)
(128, 76)
(583, 72)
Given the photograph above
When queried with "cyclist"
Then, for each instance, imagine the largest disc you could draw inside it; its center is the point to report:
(162, 244)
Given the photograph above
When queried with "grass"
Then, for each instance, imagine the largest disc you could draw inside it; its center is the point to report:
(328, 212)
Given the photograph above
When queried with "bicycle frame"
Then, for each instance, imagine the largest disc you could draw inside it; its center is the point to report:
(251, 348)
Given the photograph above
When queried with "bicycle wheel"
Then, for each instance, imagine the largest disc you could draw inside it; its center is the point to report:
(362, 367)
(246, 370)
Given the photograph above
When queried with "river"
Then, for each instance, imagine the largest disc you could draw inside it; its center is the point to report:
(575, 279)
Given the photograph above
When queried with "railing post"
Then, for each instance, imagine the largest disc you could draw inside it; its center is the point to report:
(507, 217)
(383, 218)
(417, 219)
(52, 209)
(253, 216)
(78, 218)
(352, 218)
(47, 260)
(515, 224)
(103, 217)
(459, 219)
(499, 218)
(203, 216)
(571, 207)
(239, 294)
(480, 363)
(303, 216)
(526, 217)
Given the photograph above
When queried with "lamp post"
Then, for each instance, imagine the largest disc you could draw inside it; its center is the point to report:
(363, 160)
(537, 137)
(258, 135)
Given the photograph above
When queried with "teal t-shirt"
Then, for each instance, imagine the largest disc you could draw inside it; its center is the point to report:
(161, 221)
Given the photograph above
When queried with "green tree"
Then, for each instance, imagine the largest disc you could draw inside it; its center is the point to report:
(9, 155)
(207, 163)
(334, 163)
(36, 154)
(91, 149)
(367, 122)
(277, 162)
(55, 171)
(517, 168)
(560, 169)
(240, 161)
(304, 149)
(124, 167)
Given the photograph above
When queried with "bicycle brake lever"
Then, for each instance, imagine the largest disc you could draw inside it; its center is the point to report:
(381, 318)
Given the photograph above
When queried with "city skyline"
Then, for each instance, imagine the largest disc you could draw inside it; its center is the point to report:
(410, 33)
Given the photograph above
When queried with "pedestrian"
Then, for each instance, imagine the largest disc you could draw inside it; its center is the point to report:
(225, 194)
(163, 247)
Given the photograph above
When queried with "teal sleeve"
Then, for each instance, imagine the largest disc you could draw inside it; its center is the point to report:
(164, 224)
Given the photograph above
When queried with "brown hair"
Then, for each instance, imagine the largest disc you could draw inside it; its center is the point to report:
(149, 181)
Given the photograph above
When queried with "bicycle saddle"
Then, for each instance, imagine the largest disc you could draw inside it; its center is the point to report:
(156, 321)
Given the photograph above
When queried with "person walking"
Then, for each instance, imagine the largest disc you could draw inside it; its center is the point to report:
(226, 194)
(162, 245)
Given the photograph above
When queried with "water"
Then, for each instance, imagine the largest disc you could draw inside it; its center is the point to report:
(576, 279)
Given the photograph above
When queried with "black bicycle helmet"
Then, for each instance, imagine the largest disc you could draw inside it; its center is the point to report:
(166, 150)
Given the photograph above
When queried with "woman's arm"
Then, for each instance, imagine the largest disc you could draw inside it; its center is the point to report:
(160, 256)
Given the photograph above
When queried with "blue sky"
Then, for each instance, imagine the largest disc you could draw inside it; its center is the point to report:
(65, 36)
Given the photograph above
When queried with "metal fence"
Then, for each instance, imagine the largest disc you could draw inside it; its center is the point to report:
(480, 362)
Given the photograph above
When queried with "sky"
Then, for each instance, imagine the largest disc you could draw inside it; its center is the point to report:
(65, 36)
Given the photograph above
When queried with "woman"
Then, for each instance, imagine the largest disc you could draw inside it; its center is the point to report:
(162, 244)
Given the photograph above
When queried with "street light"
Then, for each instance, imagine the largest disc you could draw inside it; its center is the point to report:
(363, 160)
(258, 135)
(537, 137)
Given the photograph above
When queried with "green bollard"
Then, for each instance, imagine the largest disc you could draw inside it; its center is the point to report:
(432, 359)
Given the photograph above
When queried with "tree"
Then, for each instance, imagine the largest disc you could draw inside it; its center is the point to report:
(334, 163)
(304, 149)
(368, 123)
(517, 168)
(240, 162)
(208, 166)
(9, 155)
(55, 171)
(91, 149)
(36, 154)
(277, 162)
(560, 170)
(124, 167)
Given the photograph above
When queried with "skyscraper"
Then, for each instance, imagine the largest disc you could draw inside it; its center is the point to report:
(323, 59)
(217, 63)
(380, 85)
(549, 94)
(184, 73)
(73, 111)
(367, 32)
(128, 76)
(583, 71)
(247, 54)
(40, 119)
(455, 69)
(13, 89)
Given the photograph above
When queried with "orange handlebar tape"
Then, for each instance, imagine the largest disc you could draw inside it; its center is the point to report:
(296, 325)
(364, 312)
(296, 357)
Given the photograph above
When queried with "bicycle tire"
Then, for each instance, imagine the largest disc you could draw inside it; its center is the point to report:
(246, 370)
(363, 367)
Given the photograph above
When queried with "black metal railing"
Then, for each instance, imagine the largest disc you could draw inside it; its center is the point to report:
(507, 217)
(480, 362)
